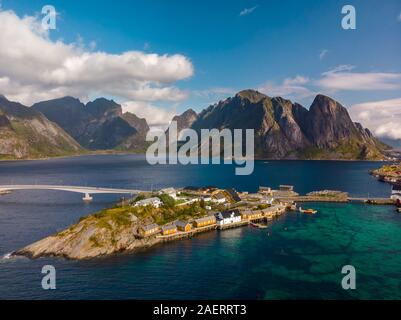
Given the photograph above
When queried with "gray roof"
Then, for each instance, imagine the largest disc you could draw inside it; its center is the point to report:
(168, 190)
(247, 212)
(182, 224)
(150, 227)
(148, 201)
(219, 196)
(205, 219)
(169, 227)
(227, 214)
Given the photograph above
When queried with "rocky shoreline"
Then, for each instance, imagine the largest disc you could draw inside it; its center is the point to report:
(86, 241)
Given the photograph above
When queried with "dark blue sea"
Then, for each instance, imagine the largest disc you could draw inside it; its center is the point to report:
(298, 257)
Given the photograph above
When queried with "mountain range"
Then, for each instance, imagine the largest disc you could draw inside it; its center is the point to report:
(287, 130)
(98, 125)
(27, 133)
(283, 129)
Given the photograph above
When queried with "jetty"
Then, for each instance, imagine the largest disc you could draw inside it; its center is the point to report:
(377, 201)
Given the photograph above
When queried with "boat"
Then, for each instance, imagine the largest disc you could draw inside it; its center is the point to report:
(308, 211)
(259, 226)
(399, 210)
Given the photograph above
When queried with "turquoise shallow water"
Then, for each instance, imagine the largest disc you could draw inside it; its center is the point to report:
(298, 257)
(316, 247)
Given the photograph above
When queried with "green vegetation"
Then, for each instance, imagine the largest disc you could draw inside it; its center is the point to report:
(95, 241)
(168, 202)
(121, 216)
(390, 170)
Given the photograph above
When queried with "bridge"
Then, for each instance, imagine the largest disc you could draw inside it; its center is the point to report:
(87, 191)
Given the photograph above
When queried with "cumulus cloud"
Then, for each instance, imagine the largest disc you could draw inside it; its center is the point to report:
(247, 11)
(382, 117)
(289, 88)
(158, 118)
(34, 67)
(343, 78)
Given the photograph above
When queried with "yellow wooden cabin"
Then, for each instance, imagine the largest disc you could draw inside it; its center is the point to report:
(149, 230)
(169, 230)
(205, 221)
(183, 226)
(251, 215)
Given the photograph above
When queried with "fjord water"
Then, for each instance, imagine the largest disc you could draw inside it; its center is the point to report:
(298, 257)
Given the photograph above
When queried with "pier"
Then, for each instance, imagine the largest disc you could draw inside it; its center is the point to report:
(378, 201)
(367, 200)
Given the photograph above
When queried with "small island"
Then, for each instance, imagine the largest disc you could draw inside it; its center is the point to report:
(153, 218)
(171, 214)
(390, 173)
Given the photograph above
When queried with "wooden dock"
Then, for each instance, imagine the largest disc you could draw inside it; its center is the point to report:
(185, 235)
(377, 201)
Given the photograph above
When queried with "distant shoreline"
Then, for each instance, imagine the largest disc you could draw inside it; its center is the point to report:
(112, 152)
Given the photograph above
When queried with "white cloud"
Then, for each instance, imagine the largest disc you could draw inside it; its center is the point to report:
(156, 117)
(215, 92)
(289, 88)
(399, 17)
(341, 78)
(323, 53)
(382, 117)
(247, 11)
(33, 66)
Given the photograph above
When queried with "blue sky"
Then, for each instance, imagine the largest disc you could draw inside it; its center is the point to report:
(280, 47)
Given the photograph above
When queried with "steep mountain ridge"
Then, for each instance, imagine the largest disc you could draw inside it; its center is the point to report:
(98, 125)
(26, 133)
(287, 130)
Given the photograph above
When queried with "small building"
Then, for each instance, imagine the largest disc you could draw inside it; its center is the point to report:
(154, 202)
(228, 217)
(268, 200)
(251, 215)
(205, 221)
(169, 230)
(149, 230)
(269, 212)
(183, 226)
(234, 195)
(170, 192)
(206, 198)
(219, 198)
(284, 187)
(266, 191)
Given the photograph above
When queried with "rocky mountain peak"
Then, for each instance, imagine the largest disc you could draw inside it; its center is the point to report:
(103, 107)
(185, 120)
(253, 96)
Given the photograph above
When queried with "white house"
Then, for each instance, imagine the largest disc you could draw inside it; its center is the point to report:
(170, 192)
(228, 217)
(154, 202)
(206, 198)
(219, 198)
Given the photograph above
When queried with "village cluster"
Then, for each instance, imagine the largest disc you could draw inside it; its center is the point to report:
(236, 209)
